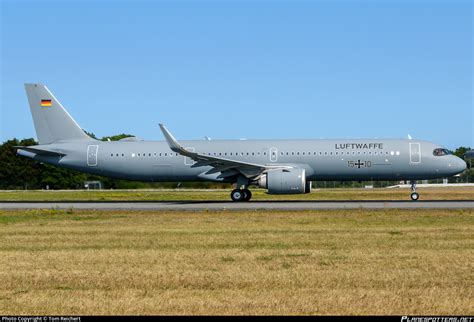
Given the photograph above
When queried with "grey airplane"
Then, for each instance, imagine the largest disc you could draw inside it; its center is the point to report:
(280, 166)
(469, 154)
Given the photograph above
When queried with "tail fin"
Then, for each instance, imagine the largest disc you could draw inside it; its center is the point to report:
(52, 122)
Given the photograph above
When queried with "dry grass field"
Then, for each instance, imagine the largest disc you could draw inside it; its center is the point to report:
(312, 262)
(439, 193)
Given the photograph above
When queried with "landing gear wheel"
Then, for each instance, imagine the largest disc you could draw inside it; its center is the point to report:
(414, 196)
(247, 194)
(237, 195)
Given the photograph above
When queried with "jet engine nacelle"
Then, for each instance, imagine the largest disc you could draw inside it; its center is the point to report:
(285, 181)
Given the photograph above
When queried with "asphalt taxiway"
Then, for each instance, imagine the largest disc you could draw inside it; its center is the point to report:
(252, 205)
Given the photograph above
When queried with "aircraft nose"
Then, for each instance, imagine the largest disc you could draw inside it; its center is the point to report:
(457, 165)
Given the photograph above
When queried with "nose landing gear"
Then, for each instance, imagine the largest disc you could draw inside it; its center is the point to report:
(414, 195)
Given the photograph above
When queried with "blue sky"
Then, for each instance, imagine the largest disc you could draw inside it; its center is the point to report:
(245, 69)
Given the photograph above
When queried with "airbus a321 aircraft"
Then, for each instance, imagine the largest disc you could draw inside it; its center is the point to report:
(280, 166)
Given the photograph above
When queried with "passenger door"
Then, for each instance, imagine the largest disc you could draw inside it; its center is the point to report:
(92, 151)
(415, 153)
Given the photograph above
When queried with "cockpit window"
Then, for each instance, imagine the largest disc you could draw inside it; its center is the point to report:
(440, 152)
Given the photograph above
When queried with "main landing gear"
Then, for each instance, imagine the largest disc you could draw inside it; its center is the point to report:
(414, 195)
(241, 194)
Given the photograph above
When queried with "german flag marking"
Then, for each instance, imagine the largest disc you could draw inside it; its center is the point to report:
(46, 103)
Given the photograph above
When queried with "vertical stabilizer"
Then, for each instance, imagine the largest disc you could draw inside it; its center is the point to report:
(52, 122)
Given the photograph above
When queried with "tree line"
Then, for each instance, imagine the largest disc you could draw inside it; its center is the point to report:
(22, 173)
(17, 172)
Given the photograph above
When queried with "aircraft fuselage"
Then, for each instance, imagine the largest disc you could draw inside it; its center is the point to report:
(335, 159)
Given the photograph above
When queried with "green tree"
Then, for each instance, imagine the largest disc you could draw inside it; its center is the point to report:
(460, 151)
(17, 172)
(58, 178)
(116, 137)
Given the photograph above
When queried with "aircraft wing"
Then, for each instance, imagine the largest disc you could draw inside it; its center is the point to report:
(227, 167)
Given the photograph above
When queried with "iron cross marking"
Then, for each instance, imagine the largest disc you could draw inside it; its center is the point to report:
(359, 164)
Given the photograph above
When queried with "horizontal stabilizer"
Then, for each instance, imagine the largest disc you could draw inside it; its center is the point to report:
(40, 151)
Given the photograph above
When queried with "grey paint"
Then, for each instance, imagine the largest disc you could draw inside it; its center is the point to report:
(52, 123)
(228, 160)
(469, 154)
(154, 161)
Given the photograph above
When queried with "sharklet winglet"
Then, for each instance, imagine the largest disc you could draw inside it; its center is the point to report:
(173, 143)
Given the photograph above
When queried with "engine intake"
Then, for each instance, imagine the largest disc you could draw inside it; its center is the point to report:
(285, 181)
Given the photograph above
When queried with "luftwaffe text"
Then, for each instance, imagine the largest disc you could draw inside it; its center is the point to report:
(342, 146)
